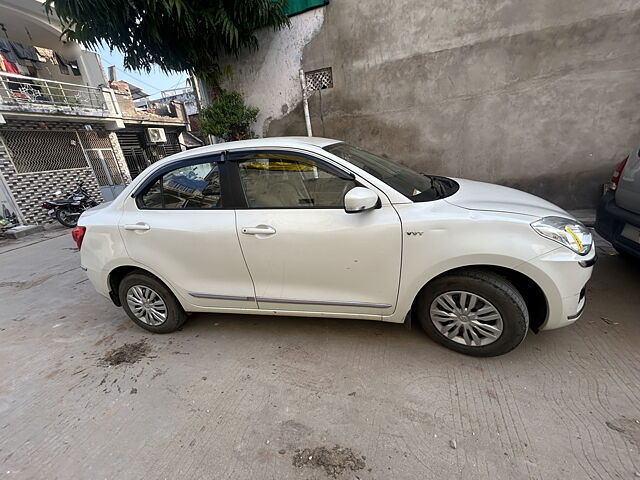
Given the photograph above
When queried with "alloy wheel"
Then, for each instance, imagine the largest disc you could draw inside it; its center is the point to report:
(147, 305)
(466, 318)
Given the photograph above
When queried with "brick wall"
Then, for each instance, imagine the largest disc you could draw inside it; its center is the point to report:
(31, 189)
(127, 107)
(149, 117)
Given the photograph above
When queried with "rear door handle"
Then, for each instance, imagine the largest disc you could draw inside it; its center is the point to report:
(137, 226)
(258, 230)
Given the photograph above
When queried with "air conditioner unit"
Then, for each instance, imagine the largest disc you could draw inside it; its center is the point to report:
(156, 135)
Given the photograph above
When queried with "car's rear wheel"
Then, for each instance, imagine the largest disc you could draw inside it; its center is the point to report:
(474, 312)
(150, 304)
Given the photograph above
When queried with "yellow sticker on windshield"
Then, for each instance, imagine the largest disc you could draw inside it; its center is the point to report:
(575, 237)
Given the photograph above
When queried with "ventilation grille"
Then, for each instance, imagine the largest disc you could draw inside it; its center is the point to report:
(319, 79)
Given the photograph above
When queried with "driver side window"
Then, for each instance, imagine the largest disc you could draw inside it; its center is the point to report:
(290, 181)
(191, 187)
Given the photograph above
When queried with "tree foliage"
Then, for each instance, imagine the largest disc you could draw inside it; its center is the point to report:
(176, 35)
(228, 117)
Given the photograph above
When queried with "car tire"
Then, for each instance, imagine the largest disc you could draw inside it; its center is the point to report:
(156, 308)
(498, 305)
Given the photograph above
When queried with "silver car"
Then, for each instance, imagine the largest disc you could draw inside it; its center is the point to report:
(618, 214)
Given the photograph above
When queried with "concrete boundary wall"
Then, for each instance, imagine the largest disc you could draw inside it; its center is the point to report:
(543, 96)
(269, 78)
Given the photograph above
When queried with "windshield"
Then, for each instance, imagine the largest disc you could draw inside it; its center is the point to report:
(415, 186)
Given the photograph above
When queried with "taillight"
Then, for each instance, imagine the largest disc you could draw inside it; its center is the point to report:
(617, 173)
(78, 235)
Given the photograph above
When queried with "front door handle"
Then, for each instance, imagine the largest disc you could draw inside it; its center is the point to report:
(258, 230)
(137, 226)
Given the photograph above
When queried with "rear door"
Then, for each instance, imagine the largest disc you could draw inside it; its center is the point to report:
(304, 252)
(628, 191)
(180, 227)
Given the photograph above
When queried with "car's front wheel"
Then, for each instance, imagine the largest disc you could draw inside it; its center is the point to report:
(474, 312)
(150, 304)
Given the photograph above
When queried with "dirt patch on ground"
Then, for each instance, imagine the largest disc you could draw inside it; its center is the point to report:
(127, 353)
(26, 285)
(334, 460)
(629, 428)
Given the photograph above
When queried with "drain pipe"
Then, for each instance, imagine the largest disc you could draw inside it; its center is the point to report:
(305, 103)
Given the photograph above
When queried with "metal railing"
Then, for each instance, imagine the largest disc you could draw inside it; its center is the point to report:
(21, 93)
(175, 91)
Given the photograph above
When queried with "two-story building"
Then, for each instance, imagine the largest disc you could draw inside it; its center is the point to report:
(153, 130)
(59, 118)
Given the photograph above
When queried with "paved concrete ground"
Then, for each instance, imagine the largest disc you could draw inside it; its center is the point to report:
(234, 397)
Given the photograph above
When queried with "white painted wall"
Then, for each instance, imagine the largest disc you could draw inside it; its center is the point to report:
(91, 68)
(276, 64)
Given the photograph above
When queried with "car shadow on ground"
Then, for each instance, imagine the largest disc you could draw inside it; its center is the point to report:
(615, 278)
(339, 336)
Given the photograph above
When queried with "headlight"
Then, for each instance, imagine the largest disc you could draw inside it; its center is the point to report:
(570, 233)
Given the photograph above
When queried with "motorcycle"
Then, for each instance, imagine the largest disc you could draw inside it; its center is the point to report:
(7, 220)
(68, 210)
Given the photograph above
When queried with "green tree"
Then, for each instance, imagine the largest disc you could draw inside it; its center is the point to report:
(228, 117)
(176, 35)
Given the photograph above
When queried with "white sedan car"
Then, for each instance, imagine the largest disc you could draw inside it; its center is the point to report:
(315, 227)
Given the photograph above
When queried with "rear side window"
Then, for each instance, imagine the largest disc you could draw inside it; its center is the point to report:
(192, 187)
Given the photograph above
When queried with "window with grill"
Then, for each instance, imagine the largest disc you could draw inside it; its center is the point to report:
(42, 150)
(319, 79)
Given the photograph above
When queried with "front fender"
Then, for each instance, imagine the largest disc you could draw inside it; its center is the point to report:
(410, 285)
(439, 237)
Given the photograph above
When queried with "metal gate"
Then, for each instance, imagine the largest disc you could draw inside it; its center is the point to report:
(105, 167)
(136, 160)
(139, 153)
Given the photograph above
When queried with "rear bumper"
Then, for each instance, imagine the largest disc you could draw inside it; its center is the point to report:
(98, 280)
(611, 219)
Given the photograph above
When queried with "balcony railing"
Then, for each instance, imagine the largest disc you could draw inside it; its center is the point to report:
(37, 95)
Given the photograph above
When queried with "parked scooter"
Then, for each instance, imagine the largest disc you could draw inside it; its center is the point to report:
(7, 220)
(68, 210)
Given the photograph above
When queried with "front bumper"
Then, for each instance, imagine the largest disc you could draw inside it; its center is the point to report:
(562, 275)
(611, 219)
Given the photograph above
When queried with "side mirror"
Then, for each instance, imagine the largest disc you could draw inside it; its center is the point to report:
(360, 199)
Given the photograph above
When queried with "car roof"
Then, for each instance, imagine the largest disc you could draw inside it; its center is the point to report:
(269, 142)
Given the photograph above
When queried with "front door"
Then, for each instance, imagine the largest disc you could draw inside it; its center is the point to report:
(304, 252)
(178, 227)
